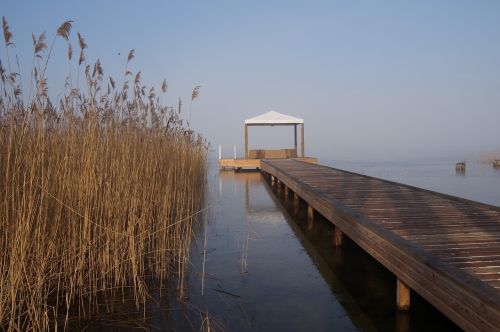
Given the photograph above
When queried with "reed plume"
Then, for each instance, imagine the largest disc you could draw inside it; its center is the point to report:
(7, 35)
(39, 44)
(194, 95)
(64, 29)
(164, 86)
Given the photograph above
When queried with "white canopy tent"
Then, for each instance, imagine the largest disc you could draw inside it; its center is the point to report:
(273, 118)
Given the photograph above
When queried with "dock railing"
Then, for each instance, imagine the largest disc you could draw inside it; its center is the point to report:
(234, 152)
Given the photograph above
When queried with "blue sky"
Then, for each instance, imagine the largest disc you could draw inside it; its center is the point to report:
(374, 80)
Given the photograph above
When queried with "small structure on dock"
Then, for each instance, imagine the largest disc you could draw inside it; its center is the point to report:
(253, 157)
(460, 167)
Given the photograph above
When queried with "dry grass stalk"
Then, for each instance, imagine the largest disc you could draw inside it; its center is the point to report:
(97, 195)
(195, 94)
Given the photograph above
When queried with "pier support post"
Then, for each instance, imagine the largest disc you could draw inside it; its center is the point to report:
(402, 321)
(402, 295)
(310, 217)
(296, 203)
(337, 237)
(287, 190)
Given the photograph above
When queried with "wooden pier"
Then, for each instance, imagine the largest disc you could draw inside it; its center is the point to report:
(249, 164)
(445, 248)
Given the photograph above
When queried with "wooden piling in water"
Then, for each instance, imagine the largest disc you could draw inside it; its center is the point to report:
(460, 167)
(402, 295)
(337, 237)
(402, 321)
(296, 203)
(310, 213)
(310, 217)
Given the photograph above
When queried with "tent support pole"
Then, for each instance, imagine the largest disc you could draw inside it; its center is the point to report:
(302, 147)
(246, 141)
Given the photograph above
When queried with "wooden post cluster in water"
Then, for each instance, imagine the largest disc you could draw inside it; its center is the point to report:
(460, 167)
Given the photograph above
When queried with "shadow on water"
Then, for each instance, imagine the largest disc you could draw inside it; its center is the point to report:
(365, 288)
(265, 269)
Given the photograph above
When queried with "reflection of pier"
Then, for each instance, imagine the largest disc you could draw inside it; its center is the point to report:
(348, 301)
(443, 247)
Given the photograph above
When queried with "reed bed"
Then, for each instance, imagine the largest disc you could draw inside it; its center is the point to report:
(97, 193)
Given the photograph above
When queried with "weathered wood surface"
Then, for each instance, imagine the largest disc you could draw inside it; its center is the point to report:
(445, 248)
(272, 154)
(252, 163)
(239, 163)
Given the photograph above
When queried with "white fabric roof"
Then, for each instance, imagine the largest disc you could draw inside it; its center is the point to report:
(273, 117)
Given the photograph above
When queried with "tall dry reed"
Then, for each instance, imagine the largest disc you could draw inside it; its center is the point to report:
(97, 194)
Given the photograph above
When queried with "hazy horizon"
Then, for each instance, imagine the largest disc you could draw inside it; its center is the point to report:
(373, 81)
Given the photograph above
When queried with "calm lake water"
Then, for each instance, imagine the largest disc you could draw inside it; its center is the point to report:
(264, 270)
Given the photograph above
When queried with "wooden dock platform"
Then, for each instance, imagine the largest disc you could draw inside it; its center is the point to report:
(445, 248)
(242, 163)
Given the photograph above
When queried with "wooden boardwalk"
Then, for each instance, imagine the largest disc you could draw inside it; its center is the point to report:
(239, 164)
(445, 248)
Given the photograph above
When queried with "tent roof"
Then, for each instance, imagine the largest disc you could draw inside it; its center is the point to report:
(273, 117)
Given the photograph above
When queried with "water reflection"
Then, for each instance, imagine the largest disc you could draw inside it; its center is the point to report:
(264, 270)
(280, 288)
